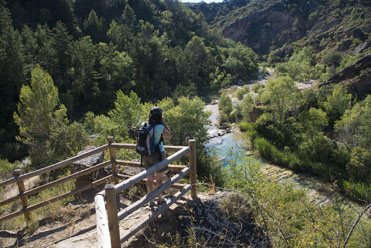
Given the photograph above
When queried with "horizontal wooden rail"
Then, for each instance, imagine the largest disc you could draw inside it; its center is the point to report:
(54, 166)
(136, 205)
(57, 198)
(137, 164)
(104, 239)
(175, 185)
(129, 182)
(163, 207)
(133, 146)
(56, 182)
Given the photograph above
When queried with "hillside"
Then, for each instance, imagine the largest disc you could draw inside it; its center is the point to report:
(94, 49)
(269, 25)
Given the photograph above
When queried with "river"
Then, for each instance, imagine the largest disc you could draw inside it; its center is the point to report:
(221, 146)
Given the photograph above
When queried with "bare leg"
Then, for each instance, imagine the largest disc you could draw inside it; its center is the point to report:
(149, 183)
(159, 176)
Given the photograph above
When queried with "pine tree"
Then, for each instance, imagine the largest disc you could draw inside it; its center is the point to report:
(39, 115)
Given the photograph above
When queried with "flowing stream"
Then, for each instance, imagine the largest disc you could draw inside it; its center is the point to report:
(221, 146)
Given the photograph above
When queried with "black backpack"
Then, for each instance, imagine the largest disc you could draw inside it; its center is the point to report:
(145, 142)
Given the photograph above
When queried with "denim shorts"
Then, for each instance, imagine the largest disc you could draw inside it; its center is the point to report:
(149, 161)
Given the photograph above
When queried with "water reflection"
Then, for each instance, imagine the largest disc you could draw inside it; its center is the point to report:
(223, 147)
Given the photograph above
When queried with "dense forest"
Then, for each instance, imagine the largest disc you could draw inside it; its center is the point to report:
(76, 71)
(92, 49)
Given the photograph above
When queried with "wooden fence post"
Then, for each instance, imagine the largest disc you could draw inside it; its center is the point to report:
(112, 215)
(104, 239)
(112, 153)
(22, 188)
(193, 164)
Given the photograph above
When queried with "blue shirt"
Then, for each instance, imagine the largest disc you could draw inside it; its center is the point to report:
(157, 136)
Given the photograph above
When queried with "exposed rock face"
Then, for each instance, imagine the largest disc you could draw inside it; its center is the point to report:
(356, 78)
(315, 23)
(261, 29)
(360, 48)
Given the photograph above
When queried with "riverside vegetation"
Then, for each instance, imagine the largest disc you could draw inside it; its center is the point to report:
(91, 68)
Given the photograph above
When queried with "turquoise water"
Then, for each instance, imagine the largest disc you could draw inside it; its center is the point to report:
(226, 147)
(232, 146)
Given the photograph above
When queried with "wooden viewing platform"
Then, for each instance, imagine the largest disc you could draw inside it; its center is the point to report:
(106, 201)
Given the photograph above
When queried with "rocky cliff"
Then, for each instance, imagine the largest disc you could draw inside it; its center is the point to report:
(355, 78)
(280, 25)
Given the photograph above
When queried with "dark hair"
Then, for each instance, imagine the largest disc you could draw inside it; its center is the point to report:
(155, 116)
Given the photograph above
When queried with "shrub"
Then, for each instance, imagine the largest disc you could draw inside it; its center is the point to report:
(332, 59)
(359, 166)
(6, 168)
(244, 126)
(241, 92)
(268, 150)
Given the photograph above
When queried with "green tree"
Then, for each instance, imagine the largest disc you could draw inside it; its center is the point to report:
(84, 88)
(280, 97)
(94, 26)
(198, 64)
(127, 112)
(39, 115)
(354, 128)
(225, 108)
(186, 120)
(313, 122)
(337, 103)
(13, 74)
(241, 62)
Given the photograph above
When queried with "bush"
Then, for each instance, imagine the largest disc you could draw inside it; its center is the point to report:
(357, 190)
(332, 59)
(268, 150)
(6, 168)
(288, 216)
(241, 92)
(359, 166)
(244, 126)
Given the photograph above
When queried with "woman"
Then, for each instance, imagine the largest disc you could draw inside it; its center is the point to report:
(160, 130)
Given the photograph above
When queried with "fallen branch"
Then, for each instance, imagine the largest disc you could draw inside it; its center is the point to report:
(355, 224)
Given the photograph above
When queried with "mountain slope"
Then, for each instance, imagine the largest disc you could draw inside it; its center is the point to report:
(269, 25)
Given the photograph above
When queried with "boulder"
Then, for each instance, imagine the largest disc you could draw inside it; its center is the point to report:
(87, 163)
(360, 48)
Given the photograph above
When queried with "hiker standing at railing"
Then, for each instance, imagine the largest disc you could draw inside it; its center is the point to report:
(160, 129)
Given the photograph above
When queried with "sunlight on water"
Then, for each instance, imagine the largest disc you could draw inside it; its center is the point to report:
(222, 146)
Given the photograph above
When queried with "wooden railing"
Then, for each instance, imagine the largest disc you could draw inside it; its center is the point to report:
(106, 201)
(24, 194)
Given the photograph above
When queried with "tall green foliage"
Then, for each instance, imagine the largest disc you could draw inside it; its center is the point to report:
(337, 103)
(294, 129)
(288, 216)
(280, 95)
(12, 75)
(92, 49)
(42, 122)
(39, 113)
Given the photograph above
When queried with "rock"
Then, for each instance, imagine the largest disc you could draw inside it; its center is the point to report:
(221, 132)
(360, 48)
(224, 125)
(87, 163)
(356, 78)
